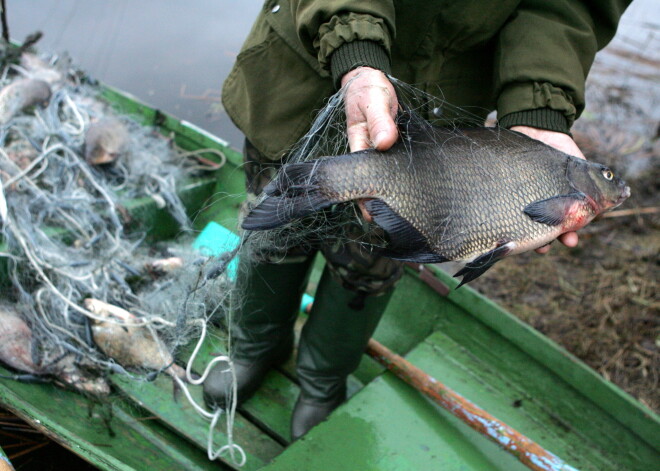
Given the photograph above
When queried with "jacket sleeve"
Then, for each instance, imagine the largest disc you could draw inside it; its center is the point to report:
(344, 34)
(543, 55)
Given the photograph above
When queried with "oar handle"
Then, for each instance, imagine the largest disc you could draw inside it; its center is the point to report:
(527, 451)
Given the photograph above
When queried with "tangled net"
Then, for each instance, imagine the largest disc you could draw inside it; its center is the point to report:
(68, 236)
(328, 137)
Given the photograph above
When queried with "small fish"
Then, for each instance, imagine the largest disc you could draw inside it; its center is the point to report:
(16, 352)
(68, 373)
(16, 342)
(105, 141)
(130, 345)
(39, 69)
(472, 195)
(21, 94)
(164, 266)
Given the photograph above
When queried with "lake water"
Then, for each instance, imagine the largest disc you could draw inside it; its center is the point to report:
(175, 55)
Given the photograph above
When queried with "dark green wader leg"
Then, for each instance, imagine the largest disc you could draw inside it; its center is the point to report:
(262, 327)
(331, 346)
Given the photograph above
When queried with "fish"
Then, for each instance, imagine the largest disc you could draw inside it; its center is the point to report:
(473, 195)
(67, 372)
(164, 266)
(106, 140)
(16, 342)
(128, 343)
(16, 348)
(20, 95)
(40, 69)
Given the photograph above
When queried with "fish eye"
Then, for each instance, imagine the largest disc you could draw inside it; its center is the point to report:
(607, 174)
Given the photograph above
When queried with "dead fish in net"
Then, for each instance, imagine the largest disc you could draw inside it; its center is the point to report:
(164, 266)
(21, 94)
(130, 345)
(105, 141)
(68, 373)
(471, 195)
(38, 68)
(16, 351)
(16, 342)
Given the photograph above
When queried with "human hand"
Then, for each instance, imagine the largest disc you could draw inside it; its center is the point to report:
(371, 104)
(564, 143)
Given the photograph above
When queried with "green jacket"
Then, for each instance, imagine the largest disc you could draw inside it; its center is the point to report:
(528, 59)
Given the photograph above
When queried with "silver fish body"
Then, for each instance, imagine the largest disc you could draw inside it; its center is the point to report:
(106, 140)
(16, 342)
(116, 335)
(16, 345)
(472, 195)
(21, 94)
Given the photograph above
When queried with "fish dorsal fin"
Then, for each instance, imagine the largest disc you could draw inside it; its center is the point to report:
(479, 265)
(406, 242)
(553, 211)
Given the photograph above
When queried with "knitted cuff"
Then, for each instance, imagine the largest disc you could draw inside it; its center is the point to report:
(542, 118)
(356, 54)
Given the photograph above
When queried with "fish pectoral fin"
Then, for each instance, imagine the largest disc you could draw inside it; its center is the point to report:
(553, 211)
(405, 241)
(479, 265)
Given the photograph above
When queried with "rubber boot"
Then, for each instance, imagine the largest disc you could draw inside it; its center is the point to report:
(262, 328)
(331, 346)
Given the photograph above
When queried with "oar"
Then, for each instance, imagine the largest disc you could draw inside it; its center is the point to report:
(528, 452)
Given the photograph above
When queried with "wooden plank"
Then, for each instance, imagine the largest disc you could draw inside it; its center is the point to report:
(630, 413)
(477, 363)
(388, 426)
(105, 434)
(157, 398)
(271, 405)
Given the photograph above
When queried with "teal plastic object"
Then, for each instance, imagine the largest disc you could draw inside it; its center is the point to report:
(215, 239)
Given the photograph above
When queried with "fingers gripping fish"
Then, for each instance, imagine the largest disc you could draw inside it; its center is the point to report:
(472, 195)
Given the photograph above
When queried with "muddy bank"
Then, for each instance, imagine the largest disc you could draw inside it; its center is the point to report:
(600, 300)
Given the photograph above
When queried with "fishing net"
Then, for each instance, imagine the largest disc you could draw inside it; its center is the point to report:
(327, 136)
(68, 236)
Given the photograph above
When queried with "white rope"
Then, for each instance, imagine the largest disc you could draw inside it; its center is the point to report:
(230, 446)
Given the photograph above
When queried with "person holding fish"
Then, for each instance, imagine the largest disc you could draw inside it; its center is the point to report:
(526, 59)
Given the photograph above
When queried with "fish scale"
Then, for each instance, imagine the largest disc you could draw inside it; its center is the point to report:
(472, 195)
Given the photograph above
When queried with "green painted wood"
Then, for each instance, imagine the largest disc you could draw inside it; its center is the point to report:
(629, 412)
(387, 426)
(517, 390)
(157, 398)
(77, 423)
(270, 408)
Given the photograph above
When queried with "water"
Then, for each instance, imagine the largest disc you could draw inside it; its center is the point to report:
(175, 55)
(172, 55)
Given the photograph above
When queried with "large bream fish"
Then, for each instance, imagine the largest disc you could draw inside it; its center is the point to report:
(470, 195)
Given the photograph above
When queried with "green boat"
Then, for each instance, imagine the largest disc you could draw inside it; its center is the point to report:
(457, 336)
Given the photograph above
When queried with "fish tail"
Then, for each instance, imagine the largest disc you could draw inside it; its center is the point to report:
(293, 194)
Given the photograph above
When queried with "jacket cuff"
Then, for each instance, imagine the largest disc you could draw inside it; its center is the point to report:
(356, 54)
(542, 118)
(543, 99)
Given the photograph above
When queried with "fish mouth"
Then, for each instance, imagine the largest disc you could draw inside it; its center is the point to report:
(625, 195)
